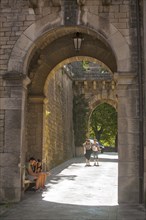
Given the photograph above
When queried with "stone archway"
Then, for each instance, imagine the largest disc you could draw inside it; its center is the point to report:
(88, 94)
(95, 105)
(32, 37)
(98, 101)
(112, 43)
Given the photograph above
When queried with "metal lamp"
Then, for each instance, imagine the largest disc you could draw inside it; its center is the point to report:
(77, 41)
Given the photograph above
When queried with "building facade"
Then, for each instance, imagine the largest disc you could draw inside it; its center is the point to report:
(36, 97)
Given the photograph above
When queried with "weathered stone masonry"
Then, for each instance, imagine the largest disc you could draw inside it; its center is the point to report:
(35, 37)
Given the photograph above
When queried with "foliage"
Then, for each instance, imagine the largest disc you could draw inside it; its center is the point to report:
(103, 124)
(102, 69)
(85, 65)
(80, 119)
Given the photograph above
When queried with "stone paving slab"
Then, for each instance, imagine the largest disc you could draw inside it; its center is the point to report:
(76, 192)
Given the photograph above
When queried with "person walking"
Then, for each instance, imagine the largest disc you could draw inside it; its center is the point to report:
(95, 152)
(87, 151)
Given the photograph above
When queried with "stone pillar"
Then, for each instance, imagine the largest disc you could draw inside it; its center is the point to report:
(128, 138)
(34, 127)
(46, 140)
(12, 156)
(144, 37)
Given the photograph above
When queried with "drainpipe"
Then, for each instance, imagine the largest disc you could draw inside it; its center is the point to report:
(140, 87)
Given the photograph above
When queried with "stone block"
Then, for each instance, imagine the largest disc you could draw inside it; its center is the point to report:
(14, 83)
(13, 119)
(16, 61)
(7, 24)
(4, 94)
(9, 159)
(145, 178)
(128, 107)
(124, 8)
(123, 92)
(30, 17)
(16, 92)
(12, 140)
(1, 123)
(2, 112)
(128, 139)
(2, 198)
(1, 147)
(123, 20)
(128, 153)
(128, 189)
(46, 11)
(145, 152)
(4, 66)
(126, 63)
(10, 103)
(128, 169)
(129, 124)
(144, 165)
(11, 177)
(10, 194)
(121, 15)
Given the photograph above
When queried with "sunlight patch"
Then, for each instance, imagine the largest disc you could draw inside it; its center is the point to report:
(87, 186)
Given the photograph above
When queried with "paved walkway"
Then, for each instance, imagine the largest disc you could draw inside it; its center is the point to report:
(76, 192)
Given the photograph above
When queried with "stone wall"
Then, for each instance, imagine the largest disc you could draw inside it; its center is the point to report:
(34, 128)
(58, 124)
(115, 22)
(12, 156)
(87, 96)
(17, 16)
(144, 23)
(128, 138)
(49, 122)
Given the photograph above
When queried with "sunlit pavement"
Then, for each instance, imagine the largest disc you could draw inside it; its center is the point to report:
(80, 185)
(76, 192)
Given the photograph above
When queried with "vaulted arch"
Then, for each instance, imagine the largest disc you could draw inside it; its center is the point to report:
(45, 31)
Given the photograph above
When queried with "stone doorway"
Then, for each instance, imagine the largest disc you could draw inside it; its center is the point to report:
(45, 57)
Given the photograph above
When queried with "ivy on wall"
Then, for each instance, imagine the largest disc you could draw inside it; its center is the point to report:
(80, 119)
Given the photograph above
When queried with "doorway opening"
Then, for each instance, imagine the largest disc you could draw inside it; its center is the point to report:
(103, 126)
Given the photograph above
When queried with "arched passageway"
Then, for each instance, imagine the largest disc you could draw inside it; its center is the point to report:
(50, 94)
(49, 90)
(103, 125)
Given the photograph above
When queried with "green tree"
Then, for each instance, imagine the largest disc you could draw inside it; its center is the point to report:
(103, 124)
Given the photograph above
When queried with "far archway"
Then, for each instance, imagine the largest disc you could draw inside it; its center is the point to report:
(103, 126)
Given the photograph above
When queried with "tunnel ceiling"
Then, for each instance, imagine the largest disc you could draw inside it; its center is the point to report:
(54, 48)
